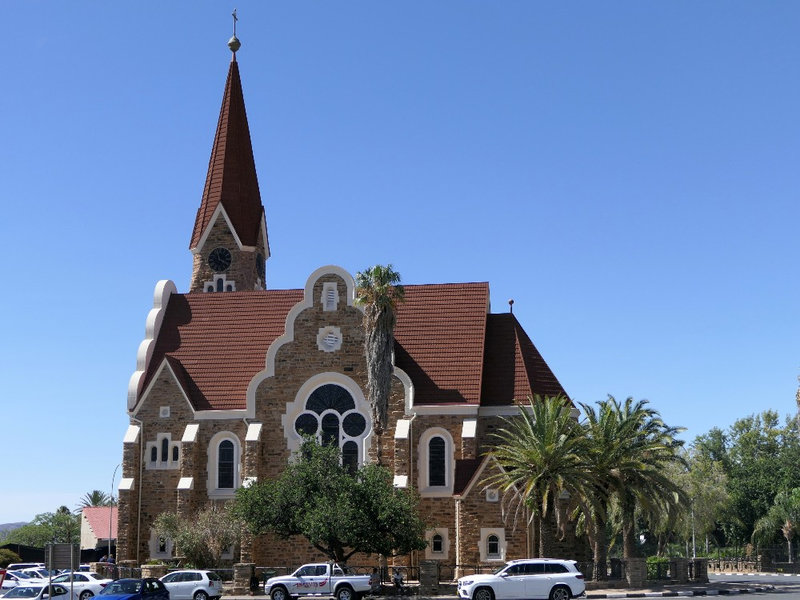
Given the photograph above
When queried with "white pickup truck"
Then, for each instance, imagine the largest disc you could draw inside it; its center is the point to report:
(329, 580)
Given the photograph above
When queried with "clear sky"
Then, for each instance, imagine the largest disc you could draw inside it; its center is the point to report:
(627, 172)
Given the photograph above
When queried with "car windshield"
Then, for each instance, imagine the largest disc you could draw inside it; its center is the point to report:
(22, 575)
(122, 586)
(24, 591)
(499, 570)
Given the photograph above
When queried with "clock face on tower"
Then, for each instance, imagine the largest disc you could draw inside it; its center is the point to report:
(219, 259)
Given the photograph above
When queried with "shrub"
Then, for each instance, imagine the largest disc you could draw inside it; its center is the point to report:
(7, 557)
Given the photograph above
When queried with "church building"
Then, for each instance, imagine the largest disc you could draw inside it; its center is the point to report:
(231, 374)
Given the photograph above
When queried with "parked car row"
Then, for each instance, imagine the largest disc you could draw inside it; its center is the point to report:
(187, 584)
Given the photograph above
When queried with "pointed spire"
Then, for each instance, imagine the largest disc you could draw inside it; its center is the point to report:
(231, 179)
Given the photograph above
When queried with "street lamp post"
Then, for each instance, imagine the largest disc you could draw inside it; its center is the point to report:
(111, 511)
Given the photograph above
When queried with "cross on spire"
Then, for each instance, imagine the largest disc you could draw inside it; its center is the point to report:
(234, 44)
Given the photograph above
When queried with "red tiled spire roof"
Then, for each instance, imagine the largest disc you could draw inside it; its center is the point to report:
(231, 179)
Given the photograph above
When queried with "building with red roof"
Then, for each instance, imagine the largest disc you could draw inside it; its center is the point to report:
(98, 527)
(231, 374)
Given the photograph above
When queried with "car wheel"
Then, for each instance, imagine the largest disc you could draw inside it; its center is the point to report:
(200, 595)
(86, 594)
(279, 593)
(483, 593)
(560, 592)
(345, 592)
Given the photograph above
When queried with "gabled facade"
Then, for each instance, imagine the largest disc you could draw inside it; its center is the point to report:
(231, 374)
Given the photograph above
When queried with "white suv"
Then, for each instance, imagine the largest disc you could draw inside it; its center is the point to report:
(191, 584)
(529, 578)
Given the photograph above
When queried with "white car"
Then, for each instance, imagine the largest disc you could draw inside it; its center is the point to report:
(15, 578)
(529, 578)
(26, 591)
(192, 584)
(84, 585)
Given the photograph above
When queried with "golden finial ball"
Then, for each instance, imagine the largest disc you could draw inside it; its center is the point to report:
(234, 44)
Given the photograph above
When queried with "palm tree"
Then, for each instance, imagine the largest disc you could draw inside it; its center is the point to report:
(542, 452)
(95, 498)
(643, 449)
(379, 291)
(783, 515)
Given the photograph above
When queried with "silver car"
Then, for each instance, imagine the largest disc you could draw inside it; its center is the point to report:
(193, 584)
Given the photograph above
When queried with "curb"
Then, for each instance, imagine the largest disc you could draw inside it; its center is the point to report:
(673, 593)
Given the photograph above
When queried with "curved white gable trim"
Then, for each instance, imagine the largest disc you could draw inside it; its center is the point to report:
(294, 408)
(288, 328)
(164, 289)
(164, 365)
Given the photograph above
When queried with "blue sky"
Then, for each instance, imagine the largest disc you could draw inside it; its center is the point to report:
(627, 172)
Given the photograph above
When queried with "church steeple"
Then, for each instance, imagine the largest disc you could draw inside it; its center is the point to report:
(229, 240)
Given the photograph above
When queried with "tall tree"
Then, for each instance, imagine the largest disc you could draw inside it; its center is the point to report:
(338, 511)
(543, 453)
(94, 498)
(379, 291)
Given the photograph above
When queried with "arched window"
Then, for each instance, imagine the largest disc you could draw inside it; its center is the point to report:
(437, 544)
(350, 455)
(436, 462)
(493, 546)
(330, 413)
(153, 454)
(225, 470)
(164, 449)
(224, 465)
(175, 453)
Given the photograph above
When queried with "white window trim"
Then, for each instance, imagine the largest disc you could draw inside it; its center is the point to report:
(422, 463)
(162, 464)
(213, 465)
(445, 553)
(484, 544)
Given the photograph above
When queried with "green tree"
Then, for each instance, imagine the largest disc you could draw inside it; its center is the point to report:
(203, 537)
(95, 498)
(543, 453)
(783, 516)
(338, 511)
(763, 459)
(379, 291)
(61, 526)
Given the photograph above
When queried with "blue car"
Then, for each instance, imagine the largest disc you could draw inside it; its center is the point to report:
(134, 589)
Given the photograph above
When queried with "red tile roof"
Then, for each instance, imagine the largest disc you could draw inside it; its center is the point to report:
(440, 334)
(98, 519)
(513, 368)
(453, 353)
(216, 343)
(231, 179)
